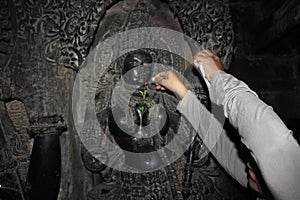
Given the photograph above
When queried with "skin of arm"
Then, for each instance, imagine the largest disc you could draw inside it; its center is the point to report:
(169, 80)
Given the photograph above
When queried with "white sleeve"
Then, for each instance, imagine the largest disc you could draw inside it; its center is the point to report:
(270, 142)
(214, 136)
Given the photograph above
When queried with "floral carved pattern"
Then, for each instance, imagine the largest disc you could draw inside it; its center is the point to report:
(67, 27)
(60, 34)
(209, 23)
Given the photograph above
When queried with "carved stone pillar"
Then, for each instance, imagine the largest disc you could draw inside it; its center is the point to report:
(45, 164)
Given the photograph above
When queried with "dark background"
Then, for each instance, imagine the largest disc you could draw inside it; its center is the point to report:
(267, 53)
(43, 42)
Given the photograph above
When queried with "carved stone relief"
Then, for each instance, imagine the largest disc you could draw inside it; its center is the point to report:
(208, 23)
(184, 179)
(42, 46)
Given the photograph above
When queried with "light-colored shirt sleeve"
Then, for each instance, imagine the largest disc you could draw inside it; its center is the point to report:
(215, 138)
(270, 142)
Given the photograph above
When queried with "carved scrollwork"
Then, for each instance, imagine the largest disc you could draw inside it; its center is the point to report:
(67, 27)
(15, 152)
(208, 22)
(203, 26)
(8, 30)
(63, 32)
(7, 160)
(20, 144)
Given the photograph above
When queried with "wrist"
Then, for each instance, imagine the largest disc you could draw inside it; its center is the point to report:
(181, 91)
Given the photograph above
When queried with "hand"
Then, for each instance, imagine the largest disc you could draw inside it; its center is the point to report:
(211, 62)
(169, 80)
(253, 181)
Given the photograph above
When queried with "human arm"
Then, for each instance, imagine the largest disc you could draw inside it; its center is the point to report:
(214, 136)
(216, 139)
(168, 79)
(271, 144)
(208, 127)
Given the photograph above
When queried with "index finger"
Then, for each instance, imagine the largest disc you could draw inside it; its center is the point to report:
(249, 166)
(209, 52)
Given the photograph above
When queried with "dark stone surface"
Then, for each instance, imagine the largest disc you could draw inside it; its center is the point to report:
(42, 46)
(272, 71)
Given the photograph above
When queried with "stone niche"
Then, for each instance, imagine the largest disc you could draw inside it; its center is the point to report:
(43, 45)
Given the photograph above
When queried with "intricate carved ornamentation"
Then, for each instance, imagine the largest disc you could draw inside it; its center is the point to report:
(208, 22)
(67, 26)
(57, 34)
(15, 152)
(201, 178)
(8, 30)
(50, 125)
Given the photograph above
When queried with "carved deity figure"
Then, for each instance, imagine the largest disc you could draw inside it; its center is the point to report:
(192, 176)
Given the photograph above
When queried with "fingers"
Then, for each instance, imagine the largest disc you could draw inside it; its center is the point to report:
(199, 56)
(162, 80)
(254, 185)
(252, 175)
(253, 182)
(209, 52)
(168, 80)
(160, 77)
(251, 172)
(249, 166)
(159, 87)
(205, 53)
